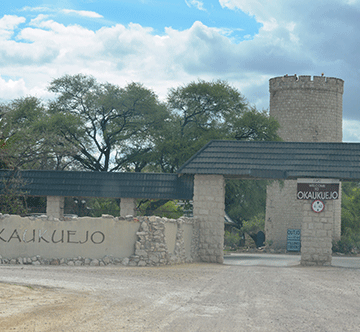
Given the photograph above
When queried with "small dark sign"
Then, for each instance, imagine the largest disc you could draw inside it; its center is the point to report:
(260, 239)
(321, 191)
(293, 240)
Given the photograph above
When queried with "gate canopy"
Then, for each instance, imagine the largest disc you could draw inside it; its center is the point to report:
(103, 184)
(276, 160)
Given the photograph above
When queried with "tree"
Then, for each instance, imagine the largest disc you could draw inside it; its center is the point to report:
(202, 111)
(256, 126)
(350, 219)
(199, 112)
(30, 138)
(117, 123)
(350, 208)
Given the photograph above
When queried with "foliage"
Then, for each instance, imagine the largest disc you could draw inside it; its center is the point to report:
(12, 198)
(31, 138)
(349, 244)
(199, 112)
(350, 219)
(256, 126)
(100, 206)
(91, 206)
(160, 208)
(232, 239)
(350, 212)
(116, 123)
(245, 199)
(254, 225)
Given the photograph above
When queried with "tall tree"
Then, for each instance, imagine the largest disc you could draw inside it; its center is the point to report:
(350, 208)
(30, 138)
(199, 112)
(118, 123)
(202, 111)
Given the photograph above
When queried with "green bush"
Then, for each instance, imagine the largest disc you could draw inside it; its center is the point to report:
(349, 244)
(232, 239)
(254, 225)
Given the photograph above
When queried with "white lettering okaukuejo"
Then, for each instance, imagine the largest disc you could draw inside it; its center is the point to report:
(323, 195)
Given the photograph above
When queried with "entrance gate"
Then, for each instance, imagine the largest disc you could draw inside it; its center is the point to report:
(202, 178)
(313, 163)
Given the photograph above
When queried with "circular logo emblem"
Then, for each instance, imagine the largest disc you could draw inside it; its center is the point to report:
(317, 206)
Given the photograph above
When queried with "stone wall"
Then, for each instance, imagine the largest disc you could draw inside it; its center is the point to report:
(308, 110)
(143, 241)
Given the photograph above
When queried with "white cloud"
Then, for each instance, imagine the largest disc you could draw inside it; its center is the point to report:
(82, 13)
(351, 130)
(7, 25)
(12, 89)
(35, 9)
(195, 3)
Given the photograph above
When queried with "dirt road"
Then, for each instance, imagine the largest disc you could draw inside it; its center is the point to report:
(194, 297)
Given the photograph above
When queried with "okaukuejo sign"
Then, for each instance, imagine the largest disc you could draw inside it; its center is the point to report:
(317, 190)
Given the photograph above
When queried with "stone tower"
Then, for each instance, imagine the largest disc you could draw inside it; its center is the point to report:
(308, 110)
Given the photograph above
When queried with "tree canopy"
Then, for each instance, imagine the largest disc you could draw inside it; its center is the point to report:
(116, 123)
(202, 111)
(31, 137)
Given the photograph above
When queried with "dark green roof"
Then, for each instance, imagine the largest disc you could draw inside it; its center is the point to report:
(276, 160)
(102, 184)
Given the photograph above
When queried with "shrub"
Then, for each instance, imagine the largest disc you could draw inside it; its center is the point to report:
(349, 244)
(232, 239)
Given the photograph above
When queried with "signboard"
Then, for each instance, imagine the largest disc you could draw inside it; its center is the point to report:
(293, 240)
(317, 190)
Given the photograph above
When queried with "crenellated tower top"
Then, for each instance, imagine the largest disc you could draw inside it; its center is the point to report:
(306, 82)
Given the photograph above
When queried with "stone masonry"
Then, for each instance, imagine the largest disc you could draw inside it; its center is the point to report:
(209, 209)
(308, 110)
(316, 234)
(151, 248)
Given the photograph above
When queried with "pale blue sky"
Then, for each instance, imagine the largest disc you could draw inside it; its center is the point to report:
(164, 44)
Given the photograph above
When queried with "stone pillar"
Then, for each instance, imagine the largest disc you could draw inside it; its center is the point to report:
(55, 207)
(209, 209)
(317, 233)
(127, 207)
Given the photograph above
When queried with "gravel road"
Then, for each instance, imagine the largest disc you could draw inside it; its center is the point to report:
(194, 297)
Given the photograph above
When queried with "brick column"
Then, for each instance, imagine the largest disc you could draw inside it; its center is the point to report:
(55, 207)
(209, 209)
(317, 233)
(127, 207)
